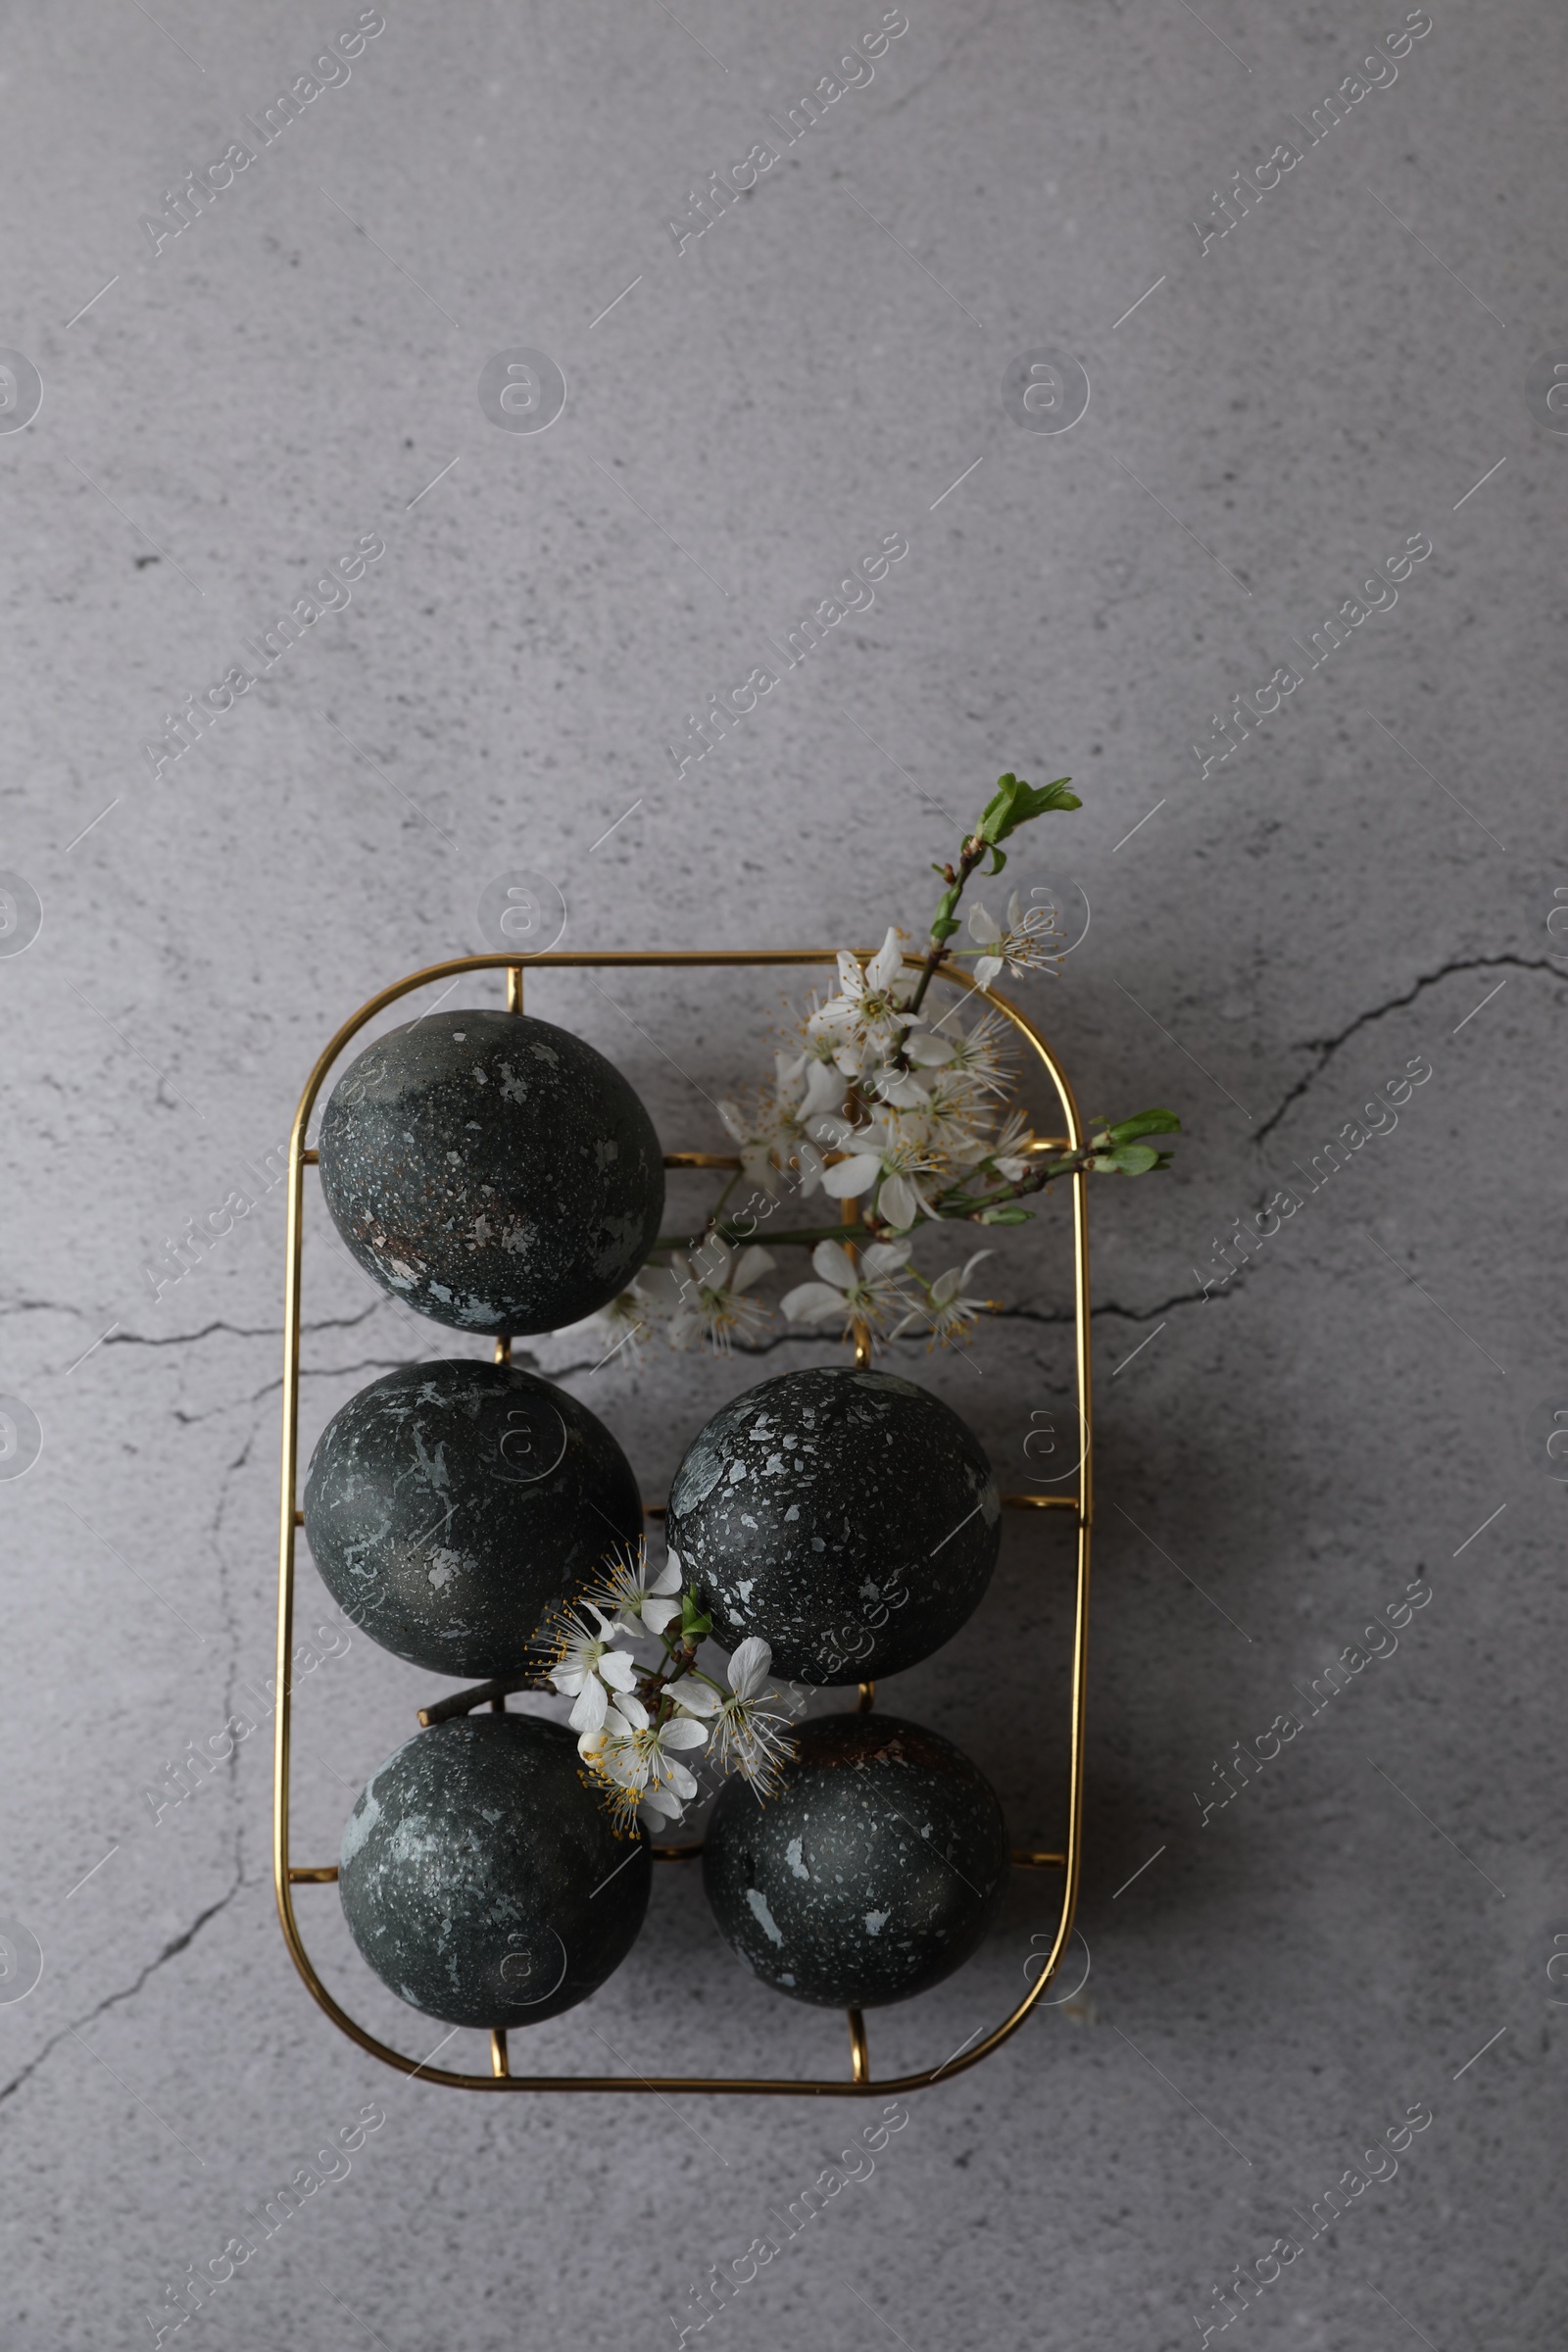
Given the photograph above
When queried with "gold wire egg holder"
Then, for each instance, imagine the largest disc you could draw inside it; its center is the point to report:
(286, 1877)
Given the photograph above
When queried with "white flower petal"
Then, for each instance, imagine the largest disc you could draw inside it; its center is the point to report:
(833, 1262)
(986, 970)
(812, 1302)
(753, 1263)
(852, 1176)
(850, 980)
(886, 963)
(824, 1088)
(750, 1667)
(983, 927)
(668, 1577)
(588, 1714)
(930, 1051)
(683, 1731)
(811, 1166)
(713, 1263)
(831, 1129)
(627, 1715)
(697, 1697)
(897, 1203)
(680, 1780)
(882, 1258)
(618, 1669)
(899, 1088)
(656, 1614)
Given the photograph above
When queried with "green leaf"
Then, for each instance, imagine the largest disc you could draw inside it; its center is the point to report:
(1015, 802)
(1146, 1122)
(1129, 1160)
(1006, 1217)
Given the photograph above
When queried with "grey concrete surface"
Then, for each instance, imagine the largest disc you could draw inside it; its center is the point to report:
(1366, 879)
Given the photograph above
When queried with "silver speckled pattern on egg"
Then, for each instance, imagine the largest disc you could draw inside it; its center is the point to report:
(482, 1877)
(450, 1508)
(871, 1876)
(493, 1171)
(849, 1518)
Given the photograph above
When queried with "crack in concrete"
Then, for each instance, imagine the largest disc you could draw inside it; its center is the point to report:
(368, 1363)
(1325, 1047)
(170, 1951)
(241, 1331)
(1126, 1314)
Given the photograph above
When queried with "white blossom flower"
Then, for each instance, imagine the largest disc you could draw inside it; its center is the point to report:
(1024, 946)
(704, 1293)
(750, 1737)
(863, 1293)
(956, 1123)
(1009, 1153)
(587, 1667)
(867, 1019)
(765, 1129)
(620, 1326)
(769, 1131)
(947, 1313)
(639, 1759)
(631, 1601)
(905, 1156)
(977, 1054)
(895, 1149)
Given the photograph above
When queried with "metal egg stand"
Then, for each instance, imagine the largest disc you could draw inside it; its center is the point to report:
(859, 2081)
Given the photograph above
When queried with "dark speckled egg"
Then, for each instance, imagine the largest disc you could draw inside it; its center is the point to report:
(870, 1877)
(483, 1879)
(452, 1507)
(849, 1518)
(492, 1172)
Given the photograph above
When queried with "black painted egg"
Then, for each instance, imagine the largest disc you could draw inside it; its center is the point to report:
(482, 1877)
(492, 1172)
(871, 1876)
(452, 1507)
(849, 1518)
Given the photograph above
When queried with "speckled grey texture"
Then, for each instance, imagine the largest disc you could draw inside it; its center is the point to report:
(482, 1877)
(1288, 1448)
(849, 1518)
(492, 1170)
(452, 1507)
(873, 1873)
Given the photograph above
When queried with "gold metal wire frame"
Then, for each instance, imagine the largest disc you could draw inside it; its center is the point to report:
(860, 2082)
